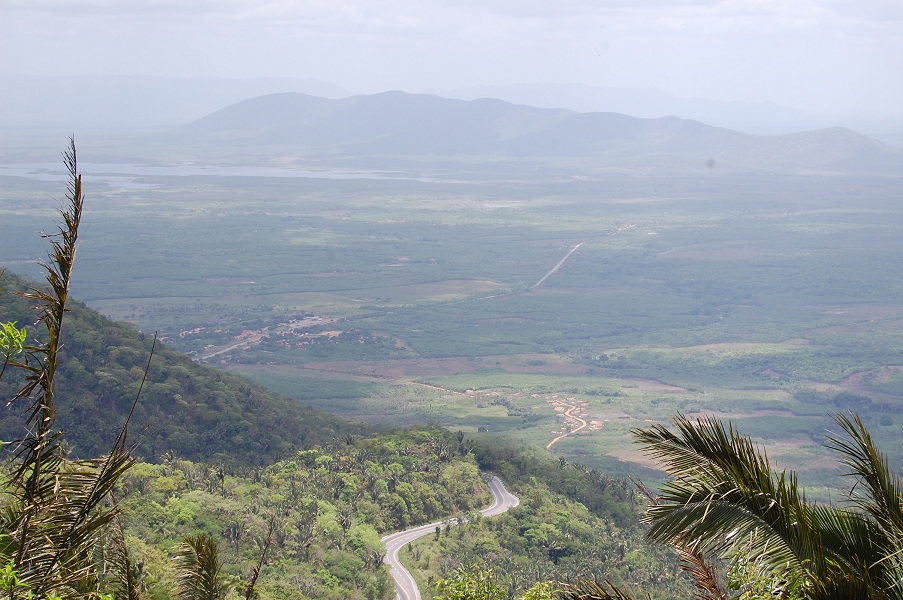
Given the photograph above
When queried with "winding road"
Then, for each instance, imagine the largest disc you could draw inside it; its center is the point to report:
(405, 586)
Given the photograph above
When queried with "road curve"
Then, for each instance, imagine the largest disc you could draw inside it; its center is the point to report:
(405, 586)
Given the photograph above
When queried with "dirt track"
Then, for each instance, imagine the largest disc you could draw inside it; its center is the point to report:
(569, 415)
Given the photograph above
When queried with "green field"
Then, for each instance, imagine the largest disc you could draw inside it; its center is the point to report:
(771, 300)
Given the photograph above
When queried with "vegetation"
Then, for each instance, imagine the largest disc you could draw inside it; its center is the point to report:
(479, 585)
(572, 522)
(719, 294)
(725, 502)
(329, 505)
(323, 511)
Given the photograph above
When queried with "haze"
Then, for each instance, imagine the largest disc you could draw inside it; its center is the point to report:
(821, 56)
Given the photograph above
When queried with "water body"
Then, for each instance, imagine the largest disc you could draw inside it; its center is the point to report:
(127, 175)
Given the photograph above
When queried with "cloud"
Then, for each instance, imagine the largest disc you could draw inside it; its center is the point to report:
(787, 51)
(429, 14)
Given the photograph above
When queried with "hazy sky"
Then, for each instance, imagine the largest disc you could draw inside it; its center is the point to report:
(827, 55)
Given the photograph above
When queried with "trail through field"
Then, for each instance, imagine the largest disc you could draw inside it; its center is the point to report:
(574, 249)
(569, 414)
(556, 267)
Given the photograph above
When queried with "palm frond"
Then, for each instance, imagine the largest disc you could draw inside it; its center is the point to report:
(198, 569)
(723, 493)
(878, 490)
(878, 542)
(724, 498)
(60, 507)
(39, 453)
(693, 562)
(852, 545)
(119, 566)
(587, 589)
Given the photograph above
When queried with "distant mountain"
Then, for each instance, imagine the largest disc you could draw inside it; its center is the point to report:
(420, 125)
(763, 118)
(198, 412)
(759, 118)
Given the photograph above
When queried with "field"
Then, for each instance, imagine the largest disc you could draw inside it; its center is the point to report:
(425, 292)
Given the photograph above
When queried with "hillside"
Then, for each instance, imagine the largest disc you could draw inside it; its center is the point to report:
(330, 504)
(197, 412)
(401, 124)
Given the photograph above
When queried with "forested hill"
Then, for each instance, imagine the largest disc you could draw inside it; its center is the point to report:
(197, 412)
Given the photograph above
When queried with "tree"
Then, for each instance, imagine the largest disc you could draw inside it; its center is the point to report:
(12, 342)
(725, 501)
(465, 584)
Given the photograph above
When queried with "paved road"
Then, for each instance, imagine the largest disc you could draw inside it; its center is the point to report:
(405, 586)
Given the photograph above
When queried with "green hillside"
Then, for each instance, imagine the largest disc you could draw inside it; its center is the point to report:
(197, 412)
(329, 505)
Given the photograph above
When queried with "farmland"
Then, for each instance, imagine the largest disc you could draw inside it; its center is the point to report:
(420, 293)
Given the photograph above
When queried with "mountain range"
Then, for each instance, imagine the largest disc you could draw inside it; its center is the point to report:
(420, 125)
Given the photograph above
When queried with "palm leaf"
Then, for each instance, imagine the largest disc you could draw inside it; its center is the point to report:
(709, 585)
(724, 498)
(878, 490)
(120, 567)
(877, 544)
(586, 589)
(198, 569)
(59, 508)
(724, 493)
(39, 453)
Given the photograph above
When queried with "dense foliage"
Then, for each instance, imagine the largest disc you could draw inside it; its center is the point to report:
(324, 508)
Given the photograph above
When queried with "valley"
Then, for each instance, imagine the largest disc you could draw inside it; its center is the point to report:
(415, 322)
(472, 294)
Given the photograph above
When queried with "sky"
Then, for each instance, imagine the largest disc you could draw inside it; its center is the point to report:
(827, 56)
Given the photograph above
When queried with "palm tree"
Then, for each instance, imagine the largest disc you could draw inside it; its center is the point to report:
(724, 500)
